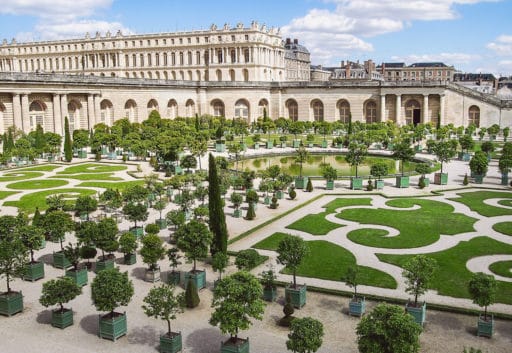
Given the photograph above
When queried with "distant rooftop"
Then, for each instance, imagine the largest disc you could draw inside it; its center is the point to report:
(429, 64)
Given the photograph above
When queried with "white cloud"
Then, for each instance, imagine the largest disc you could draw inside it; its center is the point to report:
(502, 45)
(323, 30)
(61, 19)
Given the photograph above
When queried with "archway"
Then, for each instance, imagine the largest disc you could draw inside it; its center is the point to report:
(293, 109)
(106, 112)
(130, 111)
(474, 115)
(172, 109)
(74, 115)
(412, 112)
(370, 112)
(344, 110)
(242, 109)
(217, 108)
(36, 114)
(317, 108)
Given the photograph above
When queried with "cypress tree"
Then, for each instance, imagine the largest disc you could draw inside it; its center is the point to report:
(191, 296)
(10, 141)
(68, 152)
(216, 211)
(39, 142)
(5, 140)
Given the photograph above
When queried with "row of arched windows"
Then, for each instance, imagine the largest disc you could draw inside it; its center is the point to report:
(343, 108)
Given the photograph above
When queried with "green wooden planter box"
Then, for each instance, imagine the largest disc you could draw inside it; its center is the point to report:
(177, 198)
(479, 178)
(402, 181)
(161, 223)
(283, 144)
(269, 293)
(62, 319)
(173, 277)
(199, 277)
(391, 147)
(329, 185)
(464, 156)
(169, 191)
(237, 213)
(43, 245)
(51, 159)
(324, 144)
(267, 200)
(504, 179)
(11, 303)
(152, 276)
(256, 145)
(301, 182)
(137, 231)
(297, 295)
(178, 170)
(151, 197)
(82, 154)
(296, 143)
(171, 343)
(270, 144)
(242, 346)
(280, 194)
(34, 271)
(418, 313)
(418, 148)
(379, 184)
(112, 328)
(426, 181)
(104, 150)
(220, 147)
(485, 328)
(60, 261)
(441, 178)
(244, 146)
(130, 259)
(104, 265)
(357, 306)
(112, 156)
(356, 183)
(80, 277)
(310, 144)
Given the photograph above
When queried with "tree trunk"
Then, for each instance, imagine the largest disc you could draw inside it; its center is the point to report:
(7, 278)
(294, 279)
(169, 327)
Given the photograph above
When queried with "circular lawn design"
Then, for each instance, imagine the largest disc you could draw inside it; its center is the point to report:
(37, 184)
(502, 268)
(507, 203)
(13, 176)
(93, 168)
(503, 227)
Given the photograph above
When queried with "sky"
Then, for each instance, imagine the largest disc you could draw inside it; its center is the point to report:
(471, 35)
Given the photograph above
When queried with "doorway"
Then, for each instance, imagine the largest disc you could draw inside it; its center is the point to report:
(416, 116)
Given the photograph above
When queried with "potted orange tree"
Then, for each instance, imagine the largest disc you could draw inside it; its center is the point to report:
(378, 170)
(356, 155)
(151, 251)
(60, 291)
(128, 245)
(33, 239)
(404, 153)
(357, 305)
(482, 288)
(77, 274)
(292, 250)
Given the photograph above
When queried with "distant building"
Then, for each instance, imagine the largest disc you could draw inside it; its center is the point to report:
(483, 83)
(426, 71)
(348, 70)
(297, 61)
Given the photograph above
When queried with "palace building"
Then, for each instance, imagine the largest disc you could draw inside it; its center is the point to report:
(229, 71)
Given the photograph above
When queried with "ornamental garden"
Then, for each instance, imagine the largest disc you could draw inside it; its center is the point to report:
(183, 220)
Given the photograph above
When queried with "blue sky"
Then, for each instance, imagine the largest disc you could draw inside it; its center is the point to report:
(472, 35)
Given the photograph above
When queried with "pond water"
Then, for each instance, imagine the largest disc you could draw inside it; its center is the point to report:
(312, 167)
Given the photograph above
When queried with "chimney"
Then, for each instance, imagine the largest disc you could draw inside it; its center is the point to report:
(342, 63)
(295, 41)
(288, 41)
(347, 70)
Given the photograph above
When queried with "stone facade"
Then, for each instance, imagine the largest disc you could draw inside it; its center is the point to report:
(30, 99)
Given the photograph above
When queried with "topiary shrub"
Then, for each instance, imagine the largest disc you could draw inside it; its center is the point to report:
(421, 183)
(251, 214)
(309, 186)
(274, 203)
(288, 311)
(369, 187)
(466, 181)
(292, 194)
(191, 295)
(97, 156)
(247, 259)
(152, 229)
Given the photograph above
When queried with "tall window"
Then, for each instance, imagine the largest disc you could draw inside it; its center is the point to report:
(219, 56)
(218, 108)
(344, 110)
(172, 109)
(130, 110)
(189, 108)
(106, 111)
(410, 107)
(474, 115)
(371, 112)
(36, 113)
(152, 105)
(74, 115)
(262, 105)
(318, 110)
(293, 110)
(242, 109)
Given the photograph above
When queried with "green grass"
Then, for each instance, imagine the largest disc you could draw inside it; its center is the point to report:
(19, 175)
(505, 203)
(316, 224)
(452, 276)
(330, 262)
(89, 176)
(4, 194)
(29, 202)
(93, 168)
(416, 227)
(502, 268)
(120, 186)
(43, 168)
(37, 184)
(503, 227)
(475, 201)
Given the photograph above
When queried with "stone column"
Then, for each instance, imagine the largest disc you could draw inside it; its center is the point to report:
(16, 111)
(25, 117)
(425, 109)
(63, 112)
(57, 117)
(398, 109)
(97, 110)
(382, 107)
(91, 118)
(441, 107)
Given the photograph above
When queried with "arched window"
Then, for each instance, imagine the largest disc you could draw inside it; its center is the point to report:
(106, 112)
(262, 105)
(189, 75)
(232, 75)
(172, 109)
(474, 115)
(74, 108)
(370, 112)
(412, 111)
(233, 55)
(318, 110)
(245, 73)
(217, 107)
(36, 114)
(219, 75)
(344, 110)
(293, 109)
(242, 109)
(130, 110)
(152, 105)
(190, 108)
(219, 56)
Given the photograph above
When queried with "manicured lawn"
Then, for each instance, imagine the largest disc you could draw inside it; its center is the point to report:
(4, 194)
(93, 168)
(475, 201)
(120, 186)
(502, 268)
(330, 261)
(37, 184)
(452, 276)
(416, 227)
(503, 227)
(316, 224)
(29, 202)
(505, 203)
(89, 176)
(19, 175)
(43, 168)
